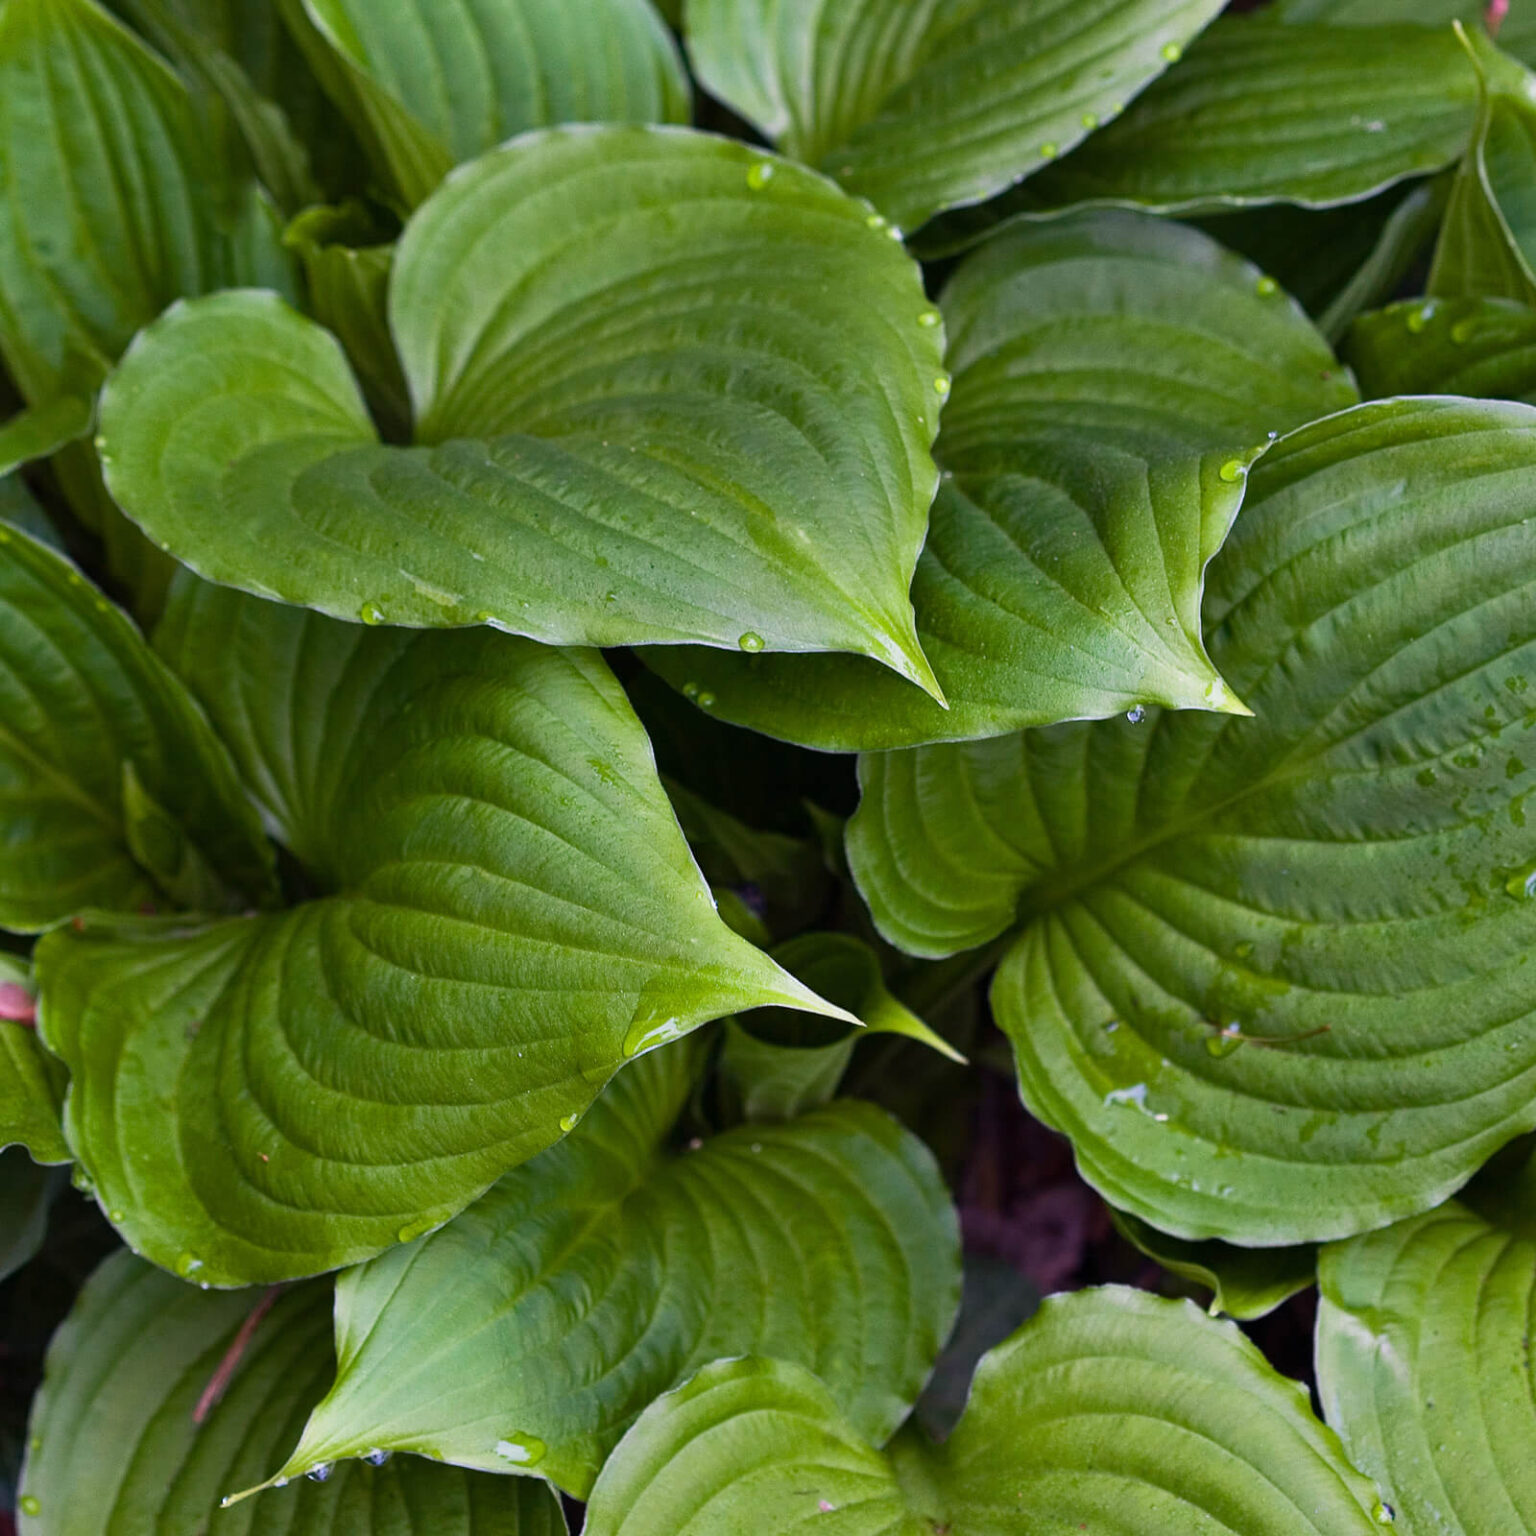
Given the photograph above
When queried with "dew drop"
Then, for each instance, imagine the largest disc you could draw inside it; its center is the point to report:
(568, 1123)
(1420, 317)
(941, 386)
(1383, 1514)
(690, 690)
(1216, 694)
(1266, 287)
(760, 175)
(320, 1472)
(1136, 714)
(877, 221)
(187, 1265)
(648, 1031)
(1172, 52)
(82, 1180)
(521, 1450)
(414, 1229)
(115, 1216)
(1233, 471)
(1522, 885)
(1224, 1041)
(751, 642)
(1050, 151)
(706, 700)
(376, 1457)
(1462, 332)
(1090, 121)
(1135, 1096)
(929, 318)
(31, 1505)
(371, 613)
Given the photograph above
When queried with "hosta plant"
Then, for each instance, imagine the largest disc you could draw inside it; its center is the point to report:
(610, 613)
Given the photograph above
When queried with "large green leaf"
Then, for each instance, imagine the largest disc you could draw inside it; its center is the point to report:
(1488, 241)
(1424, 1359)
(115, 792)
(1479, 347)
(1110, 1410)
(31, 1081)
(1270, 975)
(633, 425)
(1262, 112)
(1112, 374)
(614, 1266)
(929, 106)
(507, 912)
(427, 84)
(126, 1442)
(1516, 31)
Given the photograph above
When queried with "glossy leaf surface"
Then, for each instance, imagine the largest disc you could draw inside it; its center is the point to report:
(119, 1449)
(1424, 1358)
(1110, 1410)
(1271, 976)
(631, 426)
(924, 107)
(610, 1269)
(505, 912)
(115, 792)
(1480, 347)
(1112, 376)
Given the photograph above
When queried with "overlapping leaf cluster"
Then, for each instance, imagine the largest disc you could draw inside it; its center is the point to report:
(422, 427)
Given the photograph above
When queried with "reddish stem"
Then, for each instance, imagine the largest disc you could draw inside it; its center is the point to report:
(219, 1383)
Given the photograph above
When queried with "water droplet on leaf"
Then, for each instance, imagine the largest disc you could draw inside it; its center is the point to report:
(377, 1458)
(751, 642)
(568, 1123)
(1233, 471)
(412, 1230)
(1420, 317)
(1522, 885)
(647, 1031)
(1090, 122)
(521, 1450)
(187, 1265)
(371, 613)
(1172, 52)
(760, 175)
(929, 318)
(1224, 1041)
(1266, 287)
(1383, 1514)
(941, 386)
(1136, 714)
(30, 1505)
(1050, 151)
(320, 1472)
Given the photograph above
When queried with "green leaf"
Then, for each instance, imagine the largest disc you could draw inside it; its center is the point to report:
(1488, 241)
(27, 1192)
(39, 433)
(117, 1448)
(1261, 112)
(31, 1081)
(1112, 374)
(1424, 1358)
(1110, 1409)
(746, 464)
(1480, 347)
(1516, 33)
(926, 108)
(1245, 1283)
(427, 84)
(507, 911)
(603, 1274)
(83, 702)
(1269, 975)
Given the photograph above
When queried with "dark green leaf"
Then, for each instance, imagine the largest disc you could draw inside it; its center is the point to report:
(1479, 347)
(31, 1081)
(1112, 376)
(83, 703)
(606, 1272)
(1424, 1359)
(26, 1193)
(1516, 33)
(1270, 975)
(508, 912)
(119, 1447)
(38, 433)
(1110, 1410)
(634, 427)
(929, 107)
(427, 84)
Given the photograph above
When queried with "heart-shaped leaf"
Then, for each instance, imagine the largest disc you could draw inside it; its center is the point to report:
(1424, 1357)
(1109, 1410)
(31, 1081)
(508, 912)
(427, 84)
(1487, 244)
(1111, 375)
(632, 426)
(609, 1270)
(95, 737)
(1270, 976)
(922, 109)
(1263, 112)
(1480, 347)
(132, 1433)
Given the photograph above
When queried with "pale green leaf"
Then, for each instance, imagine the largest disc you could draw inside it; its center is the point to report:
(82, 702)
(506, 912)
(42, 431)
(1424, 1358)
(31, 1081)
(1113, 375)
(632, 426)
(1110, 1410)
(117, 1451)
(1270, 975)
(1480, 347)
(1488, 241)
(1262, 112)
(1245, 1283)
(427, 84)
(927, 106)
(606, 1272)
